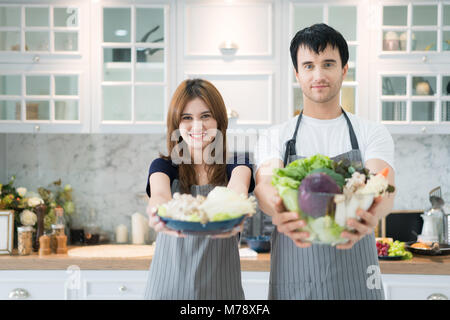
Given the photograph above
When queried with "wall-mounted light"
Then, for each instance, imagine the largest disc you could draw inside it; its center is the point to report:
(121, 33)
(228, 47)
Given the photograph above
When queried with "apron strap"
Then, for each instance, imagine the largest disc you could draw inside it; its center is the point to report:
(353, 139)
(290, 144)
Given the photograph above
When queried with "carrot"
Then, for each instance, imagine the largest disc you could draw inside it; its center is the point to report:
(384, 172)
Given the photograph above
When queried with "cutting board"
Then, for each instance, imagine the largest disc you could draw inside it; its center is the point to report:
(113, 251)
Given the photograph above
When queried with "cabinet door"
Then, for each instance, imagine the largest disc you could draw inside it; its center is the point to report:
(416, 287)
(33, 285)
(344, 18)
(54, 32)
(41, 98)
(255, 285)
(131, 50)
(243, 29)
(112, 285)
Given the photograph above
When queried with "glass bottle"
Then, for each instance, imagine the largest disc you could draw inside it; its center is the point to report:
(25, 240)
(58, 228)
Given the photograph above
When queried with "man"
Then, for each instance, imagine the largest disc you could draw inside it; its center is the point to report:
(301, 270)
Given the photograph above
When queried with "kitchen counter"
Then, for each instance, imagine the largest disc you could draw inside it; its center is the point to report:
(428, 265)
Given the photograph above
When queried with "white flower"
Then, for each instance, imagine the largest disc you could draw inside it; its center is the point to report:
(21, 191)
(33, 202)
(28, 218)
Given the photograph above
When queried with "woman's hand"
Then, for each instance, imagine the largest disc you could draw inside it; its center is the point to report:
(159, 226)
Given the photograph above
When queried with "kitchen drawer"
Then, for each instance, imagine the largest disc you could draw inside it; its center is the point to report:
(112, 284)
(416, 287)
(107, 289)
(33, 285)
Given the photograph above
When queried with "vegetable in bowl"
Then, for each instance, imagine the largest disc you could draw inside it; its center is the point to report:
(326, 193)
(220, 211)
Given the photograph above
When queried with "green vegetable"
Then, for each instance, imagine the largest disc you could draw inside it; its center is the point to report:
(288, 190)
(162, 211)
(225, 216)
(300, 168)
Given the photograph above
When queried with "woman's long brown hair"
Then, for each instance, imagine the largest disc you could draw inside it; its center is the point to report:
(187, 91)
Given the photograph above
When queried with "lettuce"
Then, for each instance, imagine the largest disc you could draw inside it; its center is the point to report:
(288, 190)
(300, 168)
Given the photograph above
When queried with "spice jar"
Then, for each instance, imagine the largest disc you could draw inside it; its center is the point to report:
(44, 245)
(25, 240)
(62, 244)
(57, 230)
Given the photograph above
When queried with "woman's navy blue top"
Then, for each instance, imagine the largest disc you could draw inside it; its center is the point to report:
(171, 170)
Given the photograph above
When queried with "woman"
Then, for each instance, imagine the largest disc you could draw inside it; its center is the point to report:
(184, 266)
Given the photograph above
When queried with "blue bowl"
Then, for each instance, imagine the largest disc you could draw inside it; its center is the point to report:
(260, 244)
(197, 228)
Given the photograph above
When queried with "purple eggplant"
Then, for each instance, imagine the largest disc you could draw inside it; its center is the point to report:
(316, 192)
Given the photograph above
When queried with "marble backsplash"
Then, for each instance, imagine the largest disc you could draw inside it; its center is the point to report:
(108, 172)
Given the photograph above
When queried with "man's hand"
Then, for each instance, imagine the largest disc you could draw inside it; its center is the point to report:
(367, 224)
(289, 223)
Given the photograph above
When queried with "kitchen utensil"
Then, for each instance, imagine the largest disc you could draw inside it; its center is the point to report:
(197, 228)
(436, 198)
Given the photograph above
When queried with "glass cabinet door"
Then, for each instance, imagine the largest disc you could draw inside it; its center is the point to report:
(344, 19)
(134, 64)
(415, 98)
(416, 28)
(45, 29)
(50, 98)
(10, 97)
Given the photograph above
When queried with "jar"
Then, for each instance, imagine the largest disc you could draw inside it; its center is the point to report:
(25, 240)
(57, 230)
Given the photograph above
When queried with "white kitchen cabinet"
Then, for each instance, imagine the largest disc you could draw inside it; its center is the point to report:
(416, 287)
(130, 284)
(98, 284)
(410, 74)
(345, 17)
(236, 46)
(33, 285)
(44, 66)
(133, 53)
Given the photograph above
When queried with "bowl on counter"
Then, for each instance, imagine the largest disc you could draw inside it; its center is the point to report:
(260, 244)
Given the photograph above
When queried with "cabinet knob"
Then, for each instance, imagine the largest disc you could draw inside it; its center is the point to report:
(19, 293)
(424, 59)
(437, 296)
(36, 59)
(424, 129)
(122, 288)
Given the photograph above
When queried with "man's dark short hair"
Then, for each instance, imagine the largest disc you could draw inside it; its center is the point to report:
(317, 37)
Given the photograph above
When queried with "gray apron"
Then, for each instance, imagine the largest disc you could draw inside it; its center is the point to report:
(322, 271)
(194, 267)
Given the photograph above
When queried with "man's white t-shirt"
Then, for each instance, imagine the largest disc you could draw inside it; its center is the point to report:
(327, 137)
